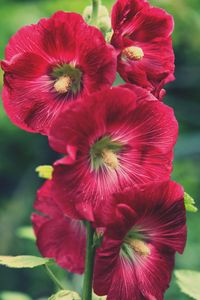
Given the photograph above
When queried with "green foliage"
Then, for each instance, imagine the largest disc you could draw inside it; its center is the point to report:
(25, 261)
(26, 232)
(189, 203)
(189, 282)
(13, 296)
(65, 295)
(95, 297)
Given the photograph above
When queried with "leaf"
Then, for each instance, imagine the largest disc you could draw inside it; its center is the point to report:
(189, 203)
(26, 232)
(26, 261)
(189, 282)
(13, 296)
(65, 295)
(44, 171)
(95, 297)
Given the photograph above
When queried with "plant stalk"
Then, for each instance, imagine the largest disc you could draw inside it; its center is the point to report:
(53, 278)
(95, 11)
(89, 263)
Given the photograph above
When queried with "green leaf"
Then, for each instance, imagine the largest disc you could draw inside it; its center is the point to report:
(189, 203)
(65, 295)
(44, 171)
(13, 296)
(26, 261)
(95, 297)
(26, 232)
(189, 282)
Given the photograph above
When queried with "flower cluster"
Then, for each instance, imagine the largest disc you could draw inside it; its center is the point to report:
(116, 144)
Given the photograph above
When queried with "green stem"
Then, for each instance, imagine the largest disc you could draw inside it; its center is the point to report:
(89, 264)
(53, 278)
(95, 11)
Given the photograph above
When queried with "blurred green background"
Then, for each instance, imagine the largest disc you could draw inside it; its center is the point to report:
(21, 152)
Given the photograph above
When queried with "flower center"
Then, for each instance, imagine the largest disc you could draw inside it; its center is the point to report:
(133, 53)
(68, 78)
(63, 84)
(104, 153)
(138, 246)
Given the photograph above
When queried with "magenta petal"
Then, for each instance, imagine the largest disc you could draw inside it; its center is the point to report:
(129, 278)
(58, 236)
(138, 264)
(127, 115)
(30, 97)
(63, 240)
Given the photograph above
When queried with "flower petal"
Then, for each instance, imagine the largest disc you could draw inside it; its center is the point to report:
(58, 236)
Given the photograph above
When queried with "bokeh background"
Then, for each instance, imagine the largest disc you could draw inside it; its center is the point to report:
(21, 152)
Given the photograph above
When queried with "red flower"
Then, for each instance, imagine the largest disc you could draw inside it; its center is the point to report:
(58, 236)
(51, 63)
(136, 259)
(112, 139)
(142, 37)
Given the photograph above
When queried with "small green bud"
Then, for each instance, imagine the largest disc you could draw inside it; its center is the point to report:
(103, 19)
(189, 203)
(44, 172)
(104, 24)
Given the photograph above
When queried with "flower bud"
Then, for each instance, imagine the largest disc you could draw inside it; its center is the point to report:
(103, 22)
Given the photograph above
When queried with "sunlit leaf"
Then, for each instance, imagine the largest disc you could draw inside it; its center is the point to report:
(189, 282)
(44, 171)
(65, 295)
(13, 296)
(26, 261)
(26, 232)
(95, 297)
(189, 203)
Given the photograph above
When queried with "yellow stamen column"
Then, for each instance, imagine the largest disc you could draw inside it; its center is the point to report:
(133, 53)
(63, 84)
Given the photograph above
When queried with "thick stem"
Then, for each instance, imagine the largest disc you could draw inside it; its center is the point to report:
(89, 263)
(95, 11)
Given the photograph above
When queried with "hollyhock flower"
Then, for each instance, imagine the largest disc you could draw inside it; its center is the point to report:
(142, 38)
(147, 226)
(58, 236)
(50, 64)
(112, 139)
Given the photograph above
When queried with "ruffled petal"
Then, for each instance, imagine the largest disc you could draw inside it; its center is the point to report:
(93, 114)
(156, 208)
(132, 277)
(58, 236)
(52, 38)
(150, 24)
(154, 70)
(124, 11)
